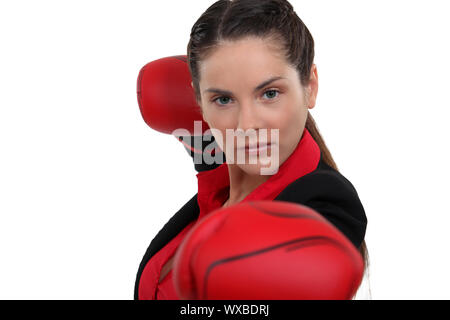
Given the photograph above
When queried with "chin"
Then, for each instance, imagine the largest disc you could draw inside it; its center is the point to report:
(264, 168)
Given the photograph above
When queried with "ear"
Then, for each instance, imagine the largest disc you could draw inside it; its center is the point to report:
(313, 87)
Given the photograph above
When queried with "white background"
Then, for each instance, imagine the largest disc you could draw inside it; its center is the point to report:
(85, 185)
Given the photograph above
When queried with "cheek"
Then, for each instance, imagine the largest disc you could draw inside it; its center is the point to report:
(288, 122)
(221, 119)
(220, 123)
(219, 137)
(291, 125)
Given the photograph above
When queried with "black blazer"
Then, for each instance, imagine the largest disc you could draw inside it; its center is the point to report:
(325, 190)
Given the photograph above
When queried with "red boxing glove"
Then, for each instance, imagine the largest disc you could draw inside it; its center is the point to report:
(266, 250)
(167, 102)
(165, 96)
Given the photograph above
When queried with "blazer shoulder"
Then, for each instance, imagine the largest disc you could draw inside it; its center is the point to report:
(332, 195)
(188, 213)
(176, 223)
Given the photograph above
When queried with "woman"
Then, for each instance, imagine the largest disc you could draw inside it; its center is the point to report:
(251, 64)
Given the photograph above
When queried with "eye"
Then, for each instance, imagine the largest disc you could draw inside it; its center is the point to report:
(222, 98)
(272, 93)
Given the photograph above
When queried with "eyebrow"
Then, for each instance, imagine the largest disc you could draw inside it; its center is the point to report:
(259, 87)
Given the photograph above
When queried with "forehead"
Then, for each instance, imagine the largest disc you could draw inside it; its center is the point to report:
(250, 59)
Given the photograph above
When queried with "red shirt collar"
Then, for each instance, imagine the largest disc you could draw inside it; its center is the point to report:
(214, 185)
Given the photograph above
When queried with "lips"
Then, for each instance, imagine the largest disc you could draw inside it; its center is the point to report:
(256, 148)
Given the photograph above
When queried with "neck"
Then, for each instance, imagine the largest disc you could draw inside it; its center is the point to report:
(242, 183)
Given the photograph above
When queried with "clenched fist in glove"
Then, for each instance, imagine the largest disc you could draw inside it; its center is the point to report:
(167, 103)
(266, 250)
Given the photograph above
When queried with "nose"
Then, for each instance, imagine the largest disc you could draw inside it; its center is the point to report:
(249, 117)
(250, 121)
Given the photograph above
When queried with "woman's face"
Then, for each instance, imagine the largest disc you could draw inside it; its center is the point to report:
(235, 95)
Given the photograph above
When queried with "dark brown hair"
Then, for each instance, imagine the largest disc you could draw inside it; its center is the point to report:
(228, 20)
